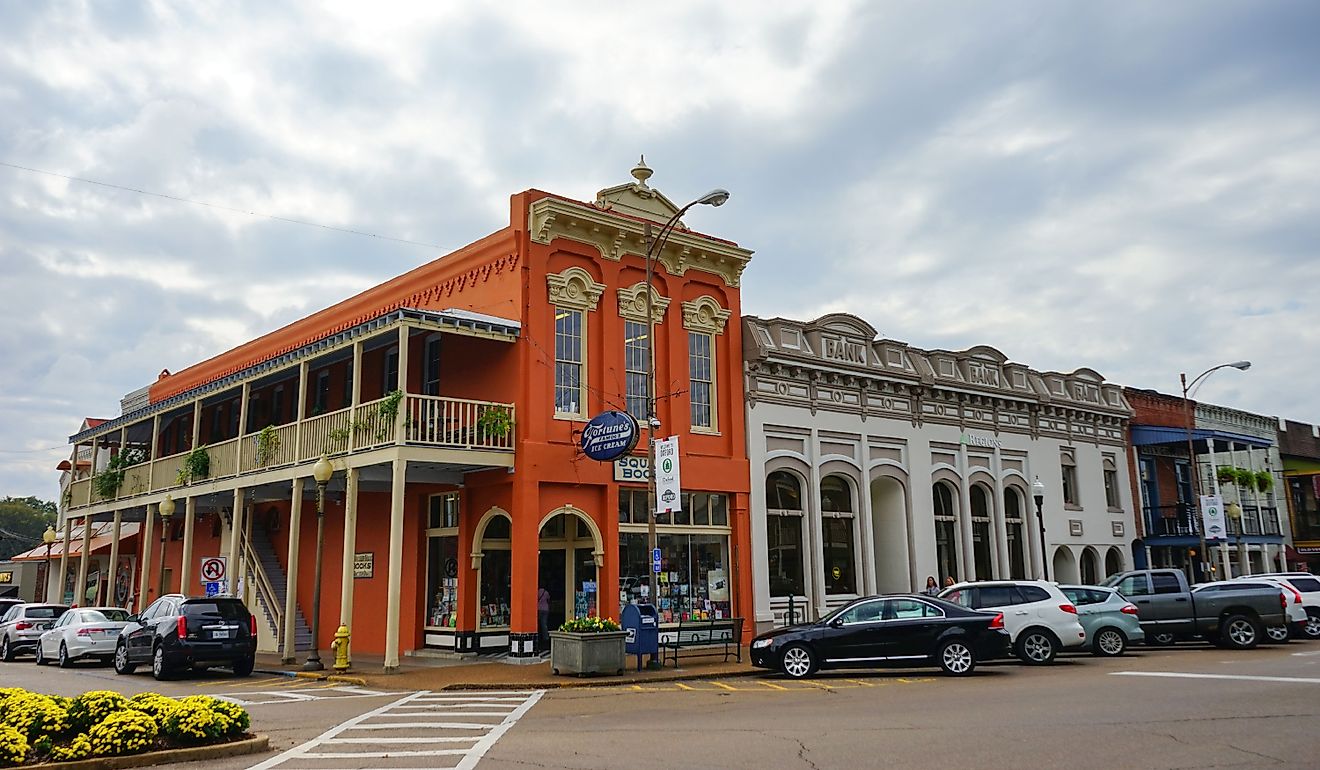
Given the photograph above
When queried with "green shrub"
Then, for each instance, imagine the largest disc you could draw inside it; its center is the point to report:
(91, 707)
(236, 714)
(124, 732)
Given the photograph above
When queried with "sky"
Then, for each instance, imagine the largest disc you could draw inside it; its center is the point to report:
(1127, 186)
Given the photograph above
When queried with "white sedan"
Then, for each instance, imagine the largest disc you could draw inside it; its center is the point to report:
(86, 632)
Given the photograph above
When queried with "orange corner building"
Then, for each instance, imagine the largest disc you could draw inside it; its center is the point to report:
(450, 401)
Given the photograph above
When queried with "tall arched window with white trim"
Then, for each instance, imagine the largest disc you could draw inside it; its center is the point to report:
(838, 546)
(946, 531)
(783, 509)
(1013, 526)
(982, 543)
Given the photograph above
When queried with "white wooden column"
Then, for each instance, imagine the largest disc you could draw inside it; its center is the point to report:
(868, 583)
(291, 578)
(80, 588)
(234, 558)
(197, 424)
(998, 520)
(113, 572)
(395, 579)
(402, 417)
(64, 556)
(350, 545)
(189, 525)
(356, 396)
(815, 529)
(144, 562)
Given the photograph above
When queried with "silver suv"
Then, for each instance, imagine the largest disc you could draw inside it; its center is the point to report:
(23, 625)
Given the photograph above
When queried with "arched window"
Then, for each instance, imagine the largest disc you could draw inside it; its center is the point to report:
(946, 531)
(783, 507)
(836, 511)
(982, 544)
(1017, 557)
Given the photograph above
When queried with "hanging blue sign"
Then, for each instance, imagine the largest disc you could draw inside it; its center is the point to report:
(609, 436)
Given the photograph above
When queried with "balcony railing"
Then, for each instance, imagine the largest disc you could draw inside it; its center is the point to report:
(434, 421)
(1181, 520)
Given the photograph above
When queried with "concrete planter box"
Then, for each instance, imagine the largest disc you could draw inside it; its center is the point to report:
(600, 653)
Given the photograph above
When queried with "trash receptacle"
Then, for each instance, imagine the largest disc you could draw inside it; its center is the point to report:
(642, 624)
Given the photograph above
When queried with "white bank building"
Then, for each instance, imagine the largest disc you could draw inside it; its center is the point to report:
(876, 465)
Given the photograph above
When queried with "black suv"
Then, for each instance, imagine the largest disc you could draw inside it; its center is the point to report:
(177, 633)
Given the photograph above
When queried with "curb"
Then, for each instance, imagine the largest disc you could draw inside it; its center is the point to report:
(337, 678)
(580, 682)
(254, 745)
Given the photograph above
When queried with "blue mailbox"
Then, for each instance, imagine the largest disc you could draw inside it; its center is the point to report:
(642, 624)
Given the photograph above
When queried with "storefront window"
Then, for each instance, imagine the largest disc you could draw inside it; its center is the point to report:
(784, 555)
(1017, 561)
(981, 540)
(694, 577)
(838, 546)
(442, 582)
(946, 527)
(496, 574)
(1305, 493)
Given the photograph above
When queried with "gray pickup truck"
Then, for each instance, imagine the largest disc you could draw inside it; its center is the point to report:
(1170, 610)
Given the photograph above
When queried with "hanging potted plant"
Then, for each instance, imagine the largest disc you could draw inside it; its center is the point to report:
(588, 646)
(268, 445)
(196, 465)
(1226, 474)
(495, 422)
(1264, 481)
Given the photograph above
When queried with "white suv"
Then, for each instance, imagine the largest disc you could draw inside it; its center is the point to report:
(1037, 615)
(1303, 603)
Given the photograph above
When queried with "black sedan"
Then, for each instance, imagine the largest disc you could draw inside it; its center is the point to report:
(882, 631)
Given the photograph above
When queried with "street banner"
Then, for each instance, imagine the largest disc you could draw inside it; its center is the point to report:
(668, 491)
(1212, 517)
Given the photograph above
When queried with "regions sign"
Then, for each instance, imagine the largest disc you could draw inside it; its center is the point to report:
(609, 436)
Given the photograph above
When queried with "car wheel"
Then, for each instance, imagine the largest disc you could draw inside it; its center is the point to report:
(797, 661)
(1037, 647)
(159, 668)
(1278, 634)
(122, 666)
(6, 652)
(956, 658)
(64, 656)
(1160, 640)
(41, 655)
(1239, 632)
(1109, 642)
(244, 667)
(1312, 629)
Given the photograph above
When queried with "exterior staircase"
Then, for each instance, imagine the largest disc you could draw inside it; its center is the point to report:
(271, 593)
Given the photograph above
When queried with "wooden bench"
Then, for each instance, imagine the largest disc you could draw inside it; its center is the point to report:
(704, 637)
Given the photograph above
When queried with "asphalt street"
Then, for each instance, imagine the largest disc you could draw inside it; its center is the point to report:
(1185, 707)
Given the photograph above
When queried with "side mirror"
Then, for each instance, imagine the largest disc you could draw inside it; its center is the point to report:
(134, 618)
(836, 623)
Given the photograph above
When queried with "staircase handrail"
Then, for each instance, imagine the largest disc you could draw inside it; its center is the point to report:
(264, 588)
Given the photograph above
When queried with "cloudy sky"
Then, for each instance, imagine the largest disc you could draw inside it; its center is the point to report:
(1129, 186)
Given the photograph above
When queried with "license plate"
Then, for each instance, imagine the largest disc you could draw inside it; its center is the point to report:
(221, 633)
(41, 626)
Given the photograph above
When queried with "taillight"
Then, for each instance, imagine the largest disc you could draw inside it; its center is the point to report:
(183, 627)
(252, 626)
(1297, 596)
(1283, 601)
(998, 622)
(22, 625)
(84, 632)
(1068, 608)
(1129, 609)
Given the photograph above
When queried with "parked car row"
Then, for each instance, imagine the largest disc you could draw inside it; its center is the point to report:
(1034, 620)
(175, 633)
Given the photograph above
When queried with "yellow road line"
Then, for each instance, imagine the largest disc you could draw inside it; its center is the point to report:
(682, 686)
(725, 686)
(860, 682)
(772, 685)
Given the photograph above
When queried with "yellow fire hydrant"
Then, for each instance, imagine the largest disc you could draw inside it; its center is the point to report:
(340, 646)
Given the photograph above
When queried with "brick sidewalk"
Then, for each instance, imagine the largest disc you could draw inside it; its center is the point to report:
(470, 674)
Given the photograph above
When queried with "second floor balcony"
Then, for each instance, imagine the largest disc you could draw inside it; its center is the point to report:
(285, 422)
(1183, 520)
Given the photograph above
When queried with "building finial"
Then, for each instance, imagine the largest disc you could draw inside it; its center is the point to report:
(641, 172)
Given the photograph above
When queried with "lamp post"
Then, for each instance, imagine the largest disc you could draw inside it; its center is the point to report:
(166, 508)
(48, 537)
(1188, 387)
(716, 197)
(321, 471)
(1038, 494)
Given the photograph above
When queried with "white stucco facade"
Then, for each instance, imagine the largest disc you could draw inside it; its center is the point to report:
(875, 465)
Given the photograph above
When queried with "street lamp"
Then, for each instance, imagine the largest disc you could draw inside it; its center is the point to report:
(166, 511)
(321, 471)
(716, 197)
(1038, 494)
(1187, 388)
(48, 537)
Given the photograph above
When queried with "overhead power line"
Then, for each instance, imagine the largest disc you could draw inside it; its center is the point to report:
(220, 207)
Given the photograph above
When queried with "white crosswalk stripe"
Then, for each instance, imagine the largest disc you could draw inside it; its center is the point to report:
(267, 697)
(420, 731)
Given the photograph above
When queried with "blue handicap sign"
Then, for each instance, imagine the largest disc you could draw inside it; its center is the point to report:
(655, 554)
(213, 588)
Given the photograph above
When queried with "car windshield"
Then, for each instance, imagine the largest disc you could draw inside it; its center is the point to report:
(226, 610)
(43, 613)
(1112, 581)
(104, 616)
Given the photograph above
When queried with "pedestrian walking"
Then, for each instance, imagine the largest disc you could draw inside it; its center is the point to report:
(932, 587)
(948, 581)
(543, 617)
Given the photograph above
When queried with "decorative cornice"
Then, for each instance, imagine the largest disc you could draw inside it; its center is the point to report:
(632, 303)
(614, 235)
(704, 314)
(574, 288)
